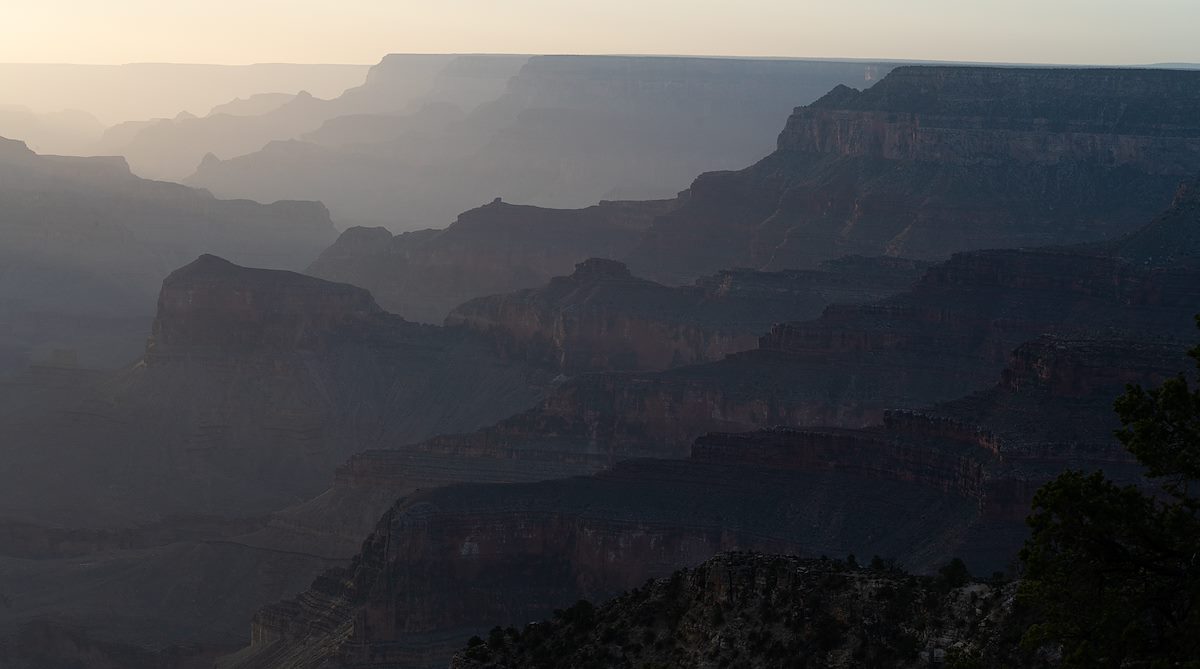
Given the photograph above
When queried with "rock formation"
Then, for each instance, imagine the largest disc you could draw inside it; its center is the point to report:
(151, 485)
(754, 610)
(563, 131)
(920, 487)
(925, 163)
(172, 148)
(85, 245)
(420, 275)
(602, 318)
(253, 386)
(900, 383)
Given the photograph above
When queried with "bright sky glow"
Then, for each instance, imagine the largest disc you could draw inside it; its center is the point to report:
(361, 31)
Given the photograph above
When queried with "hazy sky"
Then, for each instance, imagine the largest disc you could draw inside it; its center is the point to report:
(360, 31)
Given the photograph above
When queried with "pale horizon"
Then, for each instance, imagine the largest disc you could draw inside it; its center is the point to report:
(220, 32)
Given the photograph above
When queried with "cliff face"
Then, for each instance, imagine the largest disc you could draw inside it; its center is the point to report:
(973, 462)
(950, 335)
(933, 160)
(85, 246)
(152, 486)
(920, 487)
(602, 318)
(1172, 239)
(768, 611)
(927, 162)
(212, 303)
(254, 385)
(552, 131)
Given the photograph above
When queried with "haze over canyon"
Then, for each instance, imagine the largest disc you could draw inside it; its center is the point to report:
(571, 359)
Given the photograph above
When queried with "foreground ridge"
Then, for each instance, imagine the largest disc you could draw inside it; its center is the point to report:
(756, 610)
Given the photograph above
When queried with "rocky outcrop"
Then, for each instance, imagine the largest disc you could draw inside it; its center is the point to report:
(85, 246)
(212, 303)
(602, 318)
(767, 611)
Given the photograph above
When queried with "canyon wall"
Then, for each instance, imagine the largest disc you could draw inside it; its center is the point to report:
(927, 162)
(602, 318)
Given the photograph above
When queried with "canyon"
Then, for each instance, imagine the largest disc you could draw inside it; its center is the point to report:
(925, 163)
(815, 355)
(85, 244)
(920, 487)
(547, 130)
(927, 460)
(602, 318)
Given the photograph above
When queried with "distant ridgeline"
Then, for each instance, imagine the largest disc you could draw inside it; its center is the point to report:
(85, 245)
(927, 162)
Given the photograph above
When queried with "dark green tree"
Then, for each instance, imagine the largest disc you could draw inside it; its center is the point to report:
(1113, 572)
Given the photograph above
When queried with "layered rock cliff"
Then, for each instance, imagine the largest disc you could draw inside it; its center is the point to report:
(927, 162)
(950, 335)
(933, 160)
(563, 131)
(602, 318)
(965, 469)
(919, 487)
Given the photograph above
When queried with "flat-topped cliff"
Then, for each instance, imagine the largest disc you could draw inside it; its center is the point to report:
(254, 383)
(933, 160)
(214, 303)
